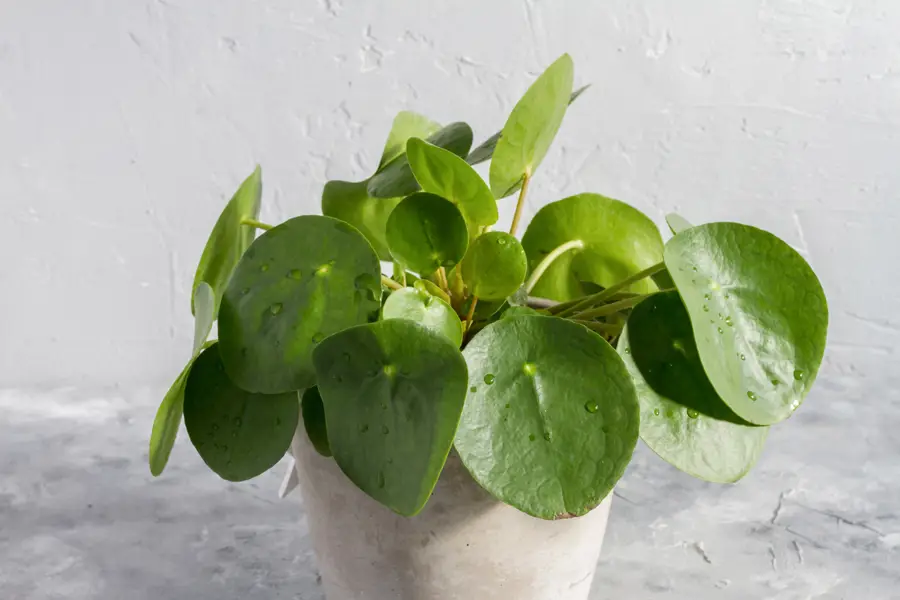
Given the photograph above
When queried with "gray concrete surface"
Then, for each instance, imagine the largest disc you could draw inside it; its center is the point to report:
(81, 518)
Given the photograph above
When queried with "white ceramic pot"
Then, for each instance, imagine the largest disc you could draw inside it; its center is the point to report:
(464, 545)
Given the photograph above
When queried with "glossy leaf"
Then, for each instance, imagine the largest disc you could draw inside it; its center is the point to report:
(551, 419)
(204, 314)
(443, 173)
(350, 202)
(619, 241)
(677, 223)
(428, 311)
(297, 284)
(758, 312)
(238, 434)
(407, 124)
(531, 127)
(313, 412)
(495, 266)
(683, 419)
(229, 239)
(393, 392)
(396, 179)
(426, 232)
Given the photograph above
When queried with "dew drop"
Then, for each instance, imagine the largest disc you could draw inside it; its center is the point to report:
(591, 406)
(278, 422)
(694, 269)
(531, 437)
(656, 412)
(627, 350)
(489, 379)
(705, 308)
(775, 382)
(721, 330)
(473, 389)
(380, 480)
(743, 357)
(245, 291)
(547, 436)
(670, 413)
(385, 430)
(752, 396)
(729, 322)
(693, 414)
(501, 241)
(264, 268)
(234, 433)
(798, 375)
(317, 338)
(390, 370)
(275, 308)
(706, 296)
(384, 406)
(295, 274)
(363, 428)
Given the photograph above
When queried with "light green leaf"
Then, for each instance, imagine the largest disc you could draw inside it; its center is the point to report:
(350, 202)
(429, 311)
(495, 266)
(683, 419)
(443, 173)
(426, 232)
(229, 238)
(393, 392)
(406, 125)
(677, 223)
(758, 312)
(619, 241)
(531, 127)
(314, 421)
(297, 284)
(204, 314)
(551, 419)
(238, 434)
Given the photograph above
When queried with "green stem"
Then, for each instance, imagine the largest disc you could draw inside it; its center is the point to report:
(548, 260)
(255, 223)
(607, 328)
(558, 308)
(520, 204)
(388, 282)
(593, 299)
(611, 309)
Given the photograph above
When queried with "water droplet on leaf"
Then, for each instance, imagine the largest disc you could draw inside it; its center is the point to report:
(264, 268)
(591, 406)
(705, 308)
(275, 308)
(530, 369)
(489, 379)
(380, 480)
(547, 436)
(798, 375)
(693, 414)
(473, 389)
(752, 396)
(531, 437)
(385, 430)
(656, 411)
(295, 274)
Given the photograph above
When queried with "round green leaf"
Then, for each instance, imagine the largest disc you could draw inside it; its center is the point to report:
(297, 284)
(204, 313)
(350, 202)
(229, 239)
(495, 266)
(426, 232)
(429, 311)
(619, 241)
(393, 392)
(683, 419)
(531, 127)
(314, 421)
(238, 434)
(443, 173)
(407, 124)
(758, 313)
(551, 419)
(677, 223)
(396, 179)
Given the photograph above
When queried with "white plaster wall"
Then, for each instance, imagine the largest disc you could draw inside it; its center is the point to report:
(124, 126)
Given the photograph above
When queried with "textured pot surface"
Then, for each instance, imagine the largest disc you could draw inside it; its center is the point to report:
(464, 545)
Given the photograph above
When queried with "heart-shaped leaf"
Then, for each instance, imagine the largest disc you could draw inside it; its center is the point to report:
(443, 173)
(238, 434)
(618, 241)
(204, 314)
(297, 284)
(393, 392)
(429, 311)
(229, 239)
(683, 419)
(531, 127)
(494, 266)
(350, 202)
(406, 125)
(314, 421)
(396, 179)
(758, 312)
(677, 223)
(426, 232)
(551, 419)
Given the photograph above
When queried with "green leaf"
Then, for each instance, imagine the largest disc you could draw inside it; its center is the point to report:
(238, 434)
(350, 202)
(229, 239)
(486, 150)
(619, 241)
(519, 311)
(406, 125)
(429, 311)
(297, 284)
(314, 421)
(683, 419)
(495, 266)
(443, 173)
(758, 312)
(531, 127)
(393, 392)
(677, 223)
(396, 179)
(551, 419)
(204, 314)
(426, 232)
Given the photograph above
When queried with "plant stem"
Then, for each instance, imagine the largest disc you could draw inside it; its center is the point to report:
(548, 260)
(555, 308)
(388, 282)
(593, 299)
(255, 223)
(471, 314)
(607, 328)
(459, 288)
(442, 278)
(609, 309)
(520, 204)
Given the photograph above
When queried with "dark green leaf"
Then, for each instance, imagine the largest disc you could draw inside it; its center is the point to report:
(426, 232)
(406, 125)
(297, 284)
(314, 421)
(393, 392)
(759, 316)
(350, 202)
(551, 419)
(495, 266)
(429, 311)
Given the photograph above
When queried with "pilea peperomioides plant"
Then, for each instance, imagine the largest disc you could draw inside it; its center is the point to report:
(540, 361)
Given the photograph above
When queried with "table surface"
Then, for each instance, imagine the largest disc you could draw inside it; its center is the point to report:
(81, 517)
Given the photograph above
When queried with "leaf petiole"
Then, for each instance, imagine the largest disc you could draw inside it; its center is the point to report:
(613, 308)
(388, 282)
(520, 204)
(593, 299)
(254, 223)
(548, 260)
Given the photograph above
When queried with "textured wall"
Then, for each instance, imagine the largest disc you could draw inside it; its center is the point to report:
(124, 126)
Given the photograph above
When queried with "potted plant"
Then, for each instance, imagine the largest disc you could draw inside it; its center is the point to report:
(459, 426)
